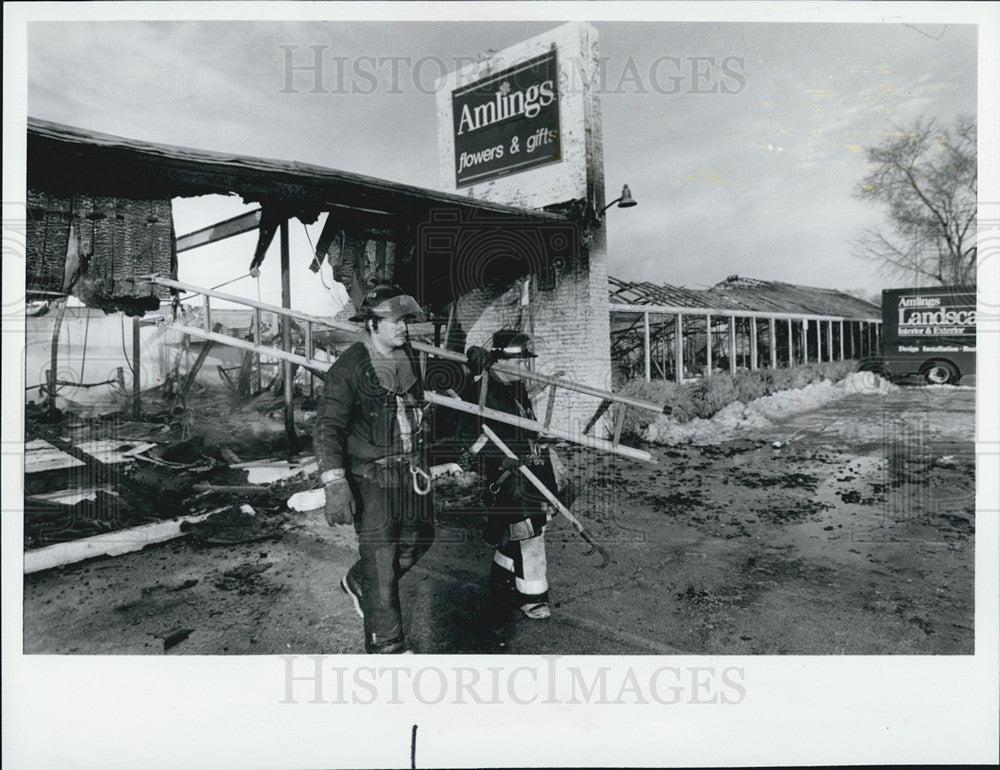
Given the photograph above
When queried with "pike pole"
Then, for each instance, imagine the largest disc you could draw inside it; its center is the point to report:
(556, 503)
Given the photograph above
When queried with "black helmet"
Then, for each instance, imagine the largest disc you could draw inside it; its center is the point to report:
(510, 343)
(386, 300)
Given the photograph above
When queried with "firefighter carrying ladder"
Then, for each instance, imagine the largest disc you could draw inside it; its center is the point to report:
(542, 427)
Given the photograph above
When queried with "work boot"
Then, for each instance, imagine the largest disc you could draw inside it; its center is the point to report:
(395, 646)
(353, 589)
(536, 610)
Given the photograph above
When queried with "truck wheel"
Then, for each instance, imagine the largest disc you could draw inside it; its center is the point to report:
(940, 373)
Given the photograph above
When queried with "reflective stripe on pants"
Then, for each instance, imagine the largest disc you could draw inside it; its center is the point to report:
(520, 564)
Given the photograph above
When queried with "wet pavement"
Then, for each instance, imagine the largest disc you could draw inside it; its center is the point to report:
(845, 530)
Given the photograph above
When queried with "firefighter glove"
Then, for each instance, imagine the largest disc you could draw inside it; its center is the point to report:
(479, 359)
(510, 464)
(339, 508)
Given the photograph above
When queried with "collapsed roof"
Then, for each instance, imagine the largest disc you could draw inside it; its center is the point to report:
(65, 162)
(737, 293)
(71, 159)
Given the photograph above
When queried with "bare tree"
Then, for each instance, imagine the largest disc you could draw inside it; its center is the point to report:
(868, 295)
(926, 176)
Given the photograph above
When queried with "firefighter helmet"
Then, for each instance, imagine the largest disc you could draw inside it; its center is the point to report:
(387, 300)
(510, 343)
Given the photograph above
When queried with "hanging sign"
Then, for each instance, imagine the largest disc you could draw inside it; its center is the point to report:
(507, 122)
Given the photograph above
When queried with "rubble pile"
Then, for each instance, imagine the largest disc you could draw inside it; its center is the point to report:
(92, 474)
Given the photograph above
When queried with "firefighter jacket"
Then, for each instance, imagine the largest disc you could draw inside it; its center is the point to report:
(360, 419)
(511, 398)
(511, 498)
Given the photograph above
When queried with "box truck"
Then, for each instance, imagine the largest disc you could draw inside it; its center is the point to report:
(929, 332)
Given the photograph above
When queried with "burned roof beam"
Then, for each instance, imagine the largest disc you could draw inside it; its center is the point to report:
(72, 158)
(228, 228)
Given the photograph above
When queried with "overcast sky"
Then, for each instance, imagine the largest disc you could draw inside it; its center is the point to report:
(755, 179)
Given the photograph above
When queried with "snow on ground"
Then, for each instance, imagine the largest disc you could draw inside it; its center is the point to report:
(763, 412)
(948, 388)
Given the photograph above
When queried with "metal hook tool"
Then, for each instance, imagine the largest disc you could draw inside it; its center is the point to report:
(498, 484)
(421, 480)
(555, 501)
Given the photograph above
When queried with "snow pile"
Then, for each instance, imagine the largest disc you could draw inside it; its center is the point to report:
(307, 500)
(866, 382)
(763, 412)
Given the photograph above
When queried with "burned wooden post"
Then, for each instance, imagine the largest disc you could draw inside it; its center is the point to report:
(189, 380)
(732, 344)
(663, 345)
(136, 371)
(243, 386)
(679, 348)
(309, 354)
(54, 360)
(708, 344)
(645, 348)
(772, 341)
(286, 338)
(256, 342)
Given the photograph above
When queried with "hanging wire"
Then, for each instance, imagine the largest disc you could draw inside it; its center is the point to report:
(308, 237)
(224, 283)
(86, 333)
(312, 250)
(124, 352)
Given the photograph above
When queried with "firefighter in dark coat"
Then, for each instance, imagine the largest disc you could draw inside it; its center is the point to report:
(518, 511)
(370, 446)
